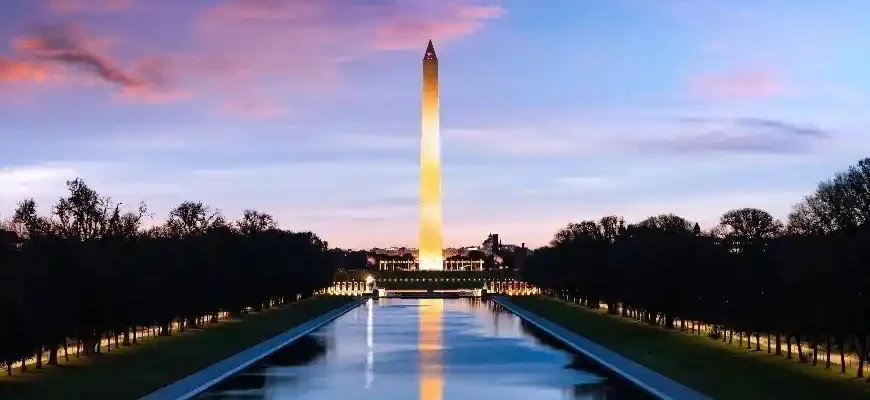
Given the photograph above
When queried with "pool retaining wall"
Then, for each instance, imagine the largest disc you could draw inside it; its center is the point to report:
(198, 382)
(645, 379)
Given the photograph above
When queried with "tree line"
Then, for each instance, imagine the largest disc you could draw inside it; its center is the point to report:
(800, 282)
(90, 270)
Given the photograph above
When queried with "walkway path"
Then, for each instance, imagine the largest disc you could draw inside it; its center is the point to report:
(646, 379)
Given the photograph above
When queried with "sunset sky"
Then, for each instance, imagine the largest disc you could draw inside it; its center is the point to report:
(552, 110)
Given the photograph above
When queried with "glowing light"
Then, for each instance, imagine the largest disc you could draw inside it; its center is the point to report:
(431, 377)
(369, 279)
(430, 250)
(370, 344)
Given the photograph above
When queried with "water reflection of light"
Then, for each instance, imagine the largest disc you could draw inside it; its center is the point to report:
(496, 322)
(370, 354)
(431, 378)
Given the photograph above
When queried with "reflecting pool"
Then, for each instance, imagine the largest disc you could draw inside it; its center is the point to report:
(425, 349)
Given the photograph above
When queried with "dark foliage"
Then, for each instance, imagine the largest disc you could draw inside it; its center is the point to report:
(89, 271)
(805, 283)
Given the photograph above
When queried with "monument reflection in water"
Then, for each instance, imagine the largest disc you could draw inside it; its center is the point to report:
(431, 362)
(422, 349)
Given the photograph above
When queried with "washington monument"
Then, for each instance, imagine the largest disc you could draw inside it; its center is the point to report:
(430, 250)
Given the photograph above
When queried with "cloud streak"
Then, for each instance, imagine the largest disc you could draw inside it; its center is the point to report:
(72, 6)
(659, 137)
(46, 51)
(743, 135)
(66, 44)
(782, 127)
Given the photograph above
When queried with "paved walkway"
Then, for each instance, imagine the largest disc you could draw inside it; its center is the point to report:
(644, 378)
(205, 378)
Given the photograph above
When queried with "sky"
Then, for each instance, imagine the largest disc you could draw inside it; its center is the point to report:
(552, 111)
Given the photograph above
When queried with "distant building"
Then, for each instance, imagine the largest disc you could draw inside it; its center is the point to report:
(409, 251)
(510, 247)
(398, 265)
(453, 252)
(491, 245)
(397, 259)
(414, 265)
(463, 265)
(395, 251)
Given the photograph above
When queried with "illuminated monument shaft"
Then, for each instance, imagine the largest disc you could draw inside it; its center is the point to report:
(430, 249)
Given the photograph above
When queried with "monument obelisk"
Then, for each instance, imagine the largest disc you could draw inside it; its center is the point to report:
(430, 254)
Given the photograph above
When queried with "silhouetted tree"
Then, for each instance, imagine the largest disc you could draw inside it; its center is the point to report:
(804, 283)
(88, 271)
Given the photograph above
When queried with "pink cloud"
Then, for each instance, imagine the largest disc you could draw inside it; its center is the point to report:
(241, 49)
(21, 71)
(738, 84)
(302, 43)
(254, 107)
(19, 79)
(155, 77)
(407, 32)
(340, 28)
(150, 95)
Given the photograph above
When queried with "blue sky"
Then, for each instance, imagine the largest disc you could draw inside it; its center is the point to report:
(552, 111)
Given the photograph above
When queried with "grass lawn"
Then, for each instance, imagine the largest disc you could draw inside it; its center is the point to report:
(135, 371)
(717, 369)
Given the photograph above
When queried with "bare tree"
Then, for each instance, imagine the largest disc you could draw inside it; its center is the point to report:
(193, 218)
(745, 227)
(254, 221)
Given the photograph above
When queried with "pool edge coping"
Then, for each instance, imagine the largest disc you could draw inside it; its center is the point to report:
(205, 378)
(600, 355)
